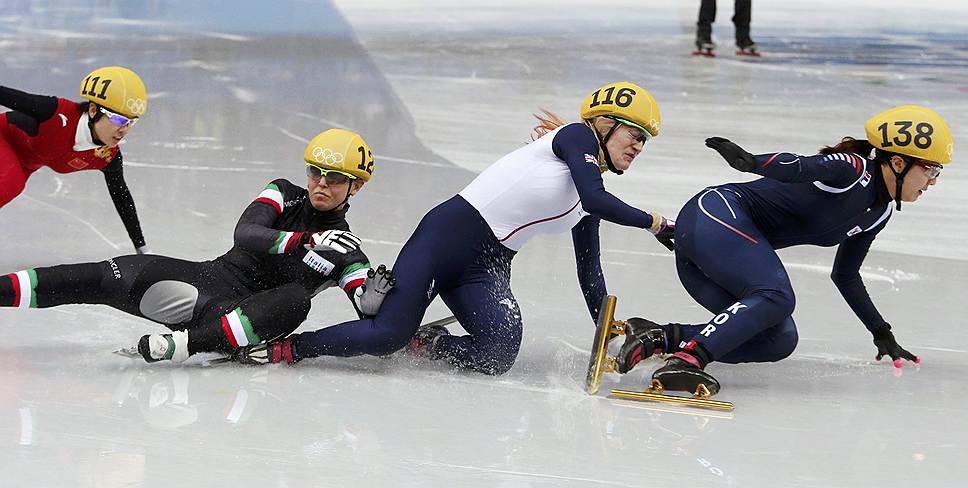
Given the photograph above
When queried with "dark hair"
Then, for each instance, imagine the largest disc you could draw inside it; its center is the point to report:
(85, 107)
(863, 147)
(850, 145)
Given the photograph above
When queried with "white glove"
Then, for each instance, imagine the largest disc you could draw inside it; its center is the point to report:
(369, 296)
(341, 241)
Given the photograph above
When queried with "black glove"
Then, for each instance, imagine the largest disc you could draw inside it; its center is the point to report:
(664, 230)
(736, 156)
(666, 235)
(888, 346)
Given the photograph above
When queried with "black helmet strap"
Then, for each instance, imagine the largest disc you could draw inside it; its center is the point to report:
(603, 140)
(899, 179)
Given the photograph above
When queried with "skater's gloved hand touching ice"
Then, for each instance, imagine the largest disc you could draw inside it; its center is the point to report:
(888, 346)
(341, 241)
(663, 229)
(369, 296)
(736, 156)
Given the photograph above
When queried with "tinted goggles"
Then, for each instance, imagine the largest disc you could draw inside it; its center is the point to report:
(118, 119)
(639, 133)
(333, 177)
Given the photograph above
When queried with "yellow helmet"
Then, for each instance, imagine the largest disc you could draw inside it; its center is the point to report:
(341, 150)
(117, 89)
(626, 102)
(911, 130)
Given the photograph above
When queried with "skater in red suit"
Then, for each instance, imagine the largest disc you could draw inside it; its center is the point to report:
(68, 136)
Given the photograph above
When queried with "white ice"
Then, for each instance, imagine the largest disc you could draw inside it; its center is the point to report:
(440, 89)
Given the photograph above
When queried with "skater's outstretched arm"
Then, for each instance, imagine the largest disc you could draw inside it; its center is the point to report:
(577, 146)
(588, 258)
(123, 202)
(846, 275)
(39, 107)
(837, 170)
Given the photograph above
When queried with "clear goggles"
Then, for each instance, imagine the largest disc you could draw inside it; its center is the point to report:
(932, 170)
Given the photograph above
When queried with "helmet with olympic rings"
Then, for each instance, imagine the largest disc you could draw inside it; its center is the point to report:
(117, 89)
(340, 150)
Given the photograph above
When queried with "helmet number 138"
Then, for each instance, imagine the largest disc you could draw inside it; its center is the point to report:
(922, 139)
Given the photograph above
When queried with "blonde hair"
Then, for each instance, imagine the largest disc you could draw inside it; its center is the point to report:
(547, 122)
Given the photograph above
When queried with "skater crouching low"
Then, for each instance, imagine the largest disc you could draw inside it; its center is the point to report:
(726, 239)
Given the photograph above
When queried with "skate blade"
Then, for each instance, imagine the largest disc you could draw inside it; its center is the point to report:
(218, 360)
(656, 393)
(749, 55)
(606, 330)
(129, 352)
(705, 54)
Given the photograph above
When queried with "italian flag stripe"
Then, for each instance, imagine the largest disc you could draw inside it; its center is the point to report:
(284, 242)
(293, 241)
(238, 329)
(15, 283)
(272, 196)
(353, 284)
(33, 287)
(227, 329)
(24, 286)
(354, 275)
(250, 335)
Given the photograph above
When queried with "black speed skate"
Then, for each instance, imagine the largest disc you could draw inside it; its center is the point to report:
(682, 373)
(643, 339)
(747, 48)
(705, 47)
(422, 343)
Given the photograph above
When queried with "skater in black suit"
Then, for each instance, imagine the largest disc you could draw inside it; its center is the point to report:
(741, 19)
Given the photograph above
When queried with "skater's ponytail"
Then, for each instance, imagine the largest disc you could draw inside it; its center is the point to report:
(850, 145)
(547, 122)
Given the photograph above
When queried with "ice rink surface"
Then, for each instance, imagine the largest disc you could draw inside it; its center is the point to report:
(440, 90)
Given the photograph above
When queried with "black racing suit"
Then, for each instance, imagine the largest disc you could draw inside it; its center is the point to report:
(265, 282)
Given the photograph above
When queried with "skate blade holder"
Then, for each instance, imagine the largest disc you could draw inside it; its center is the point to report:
(656, 393)
(607, 329)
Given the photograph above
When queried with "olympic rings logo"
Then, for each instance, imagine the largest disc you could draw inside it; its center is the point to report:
(136, 105)
(327, 156)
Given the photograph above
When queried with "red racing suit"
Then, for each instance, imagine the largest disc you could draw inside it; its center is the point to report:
(44, 131)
